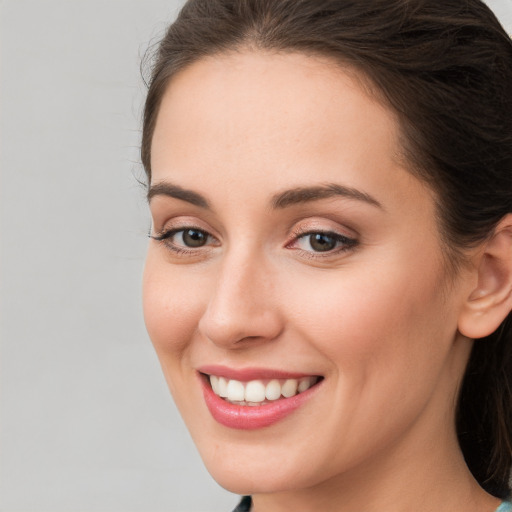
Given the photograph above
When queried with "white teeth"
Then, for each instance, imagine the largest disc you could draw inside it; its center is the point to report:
(236, 391)
(214, 381)
(255, 392)
(223, 387)
(289, 388)
(273, 390)
(304, 384)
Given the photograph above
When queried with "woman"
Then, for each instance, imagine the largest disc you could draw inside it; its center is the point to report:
(329, 278)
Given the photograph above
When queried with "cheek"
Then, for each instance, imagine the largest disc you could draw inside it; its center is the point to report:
(386, 338)
(172, 308)
(378, 329)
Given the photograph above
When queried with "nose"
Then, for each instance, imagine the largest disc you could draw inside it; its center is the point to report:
(242, 308)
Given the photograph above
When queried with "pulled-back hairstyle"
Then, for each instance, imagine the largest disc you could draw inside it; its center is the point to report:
(445, 69)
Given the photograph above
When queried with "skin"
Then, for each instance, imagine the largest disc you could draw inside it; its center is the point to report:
(378, 320)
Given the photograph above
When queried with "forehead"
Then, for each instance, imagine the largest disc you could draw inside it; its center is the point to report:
(250, 102)
(255, 123)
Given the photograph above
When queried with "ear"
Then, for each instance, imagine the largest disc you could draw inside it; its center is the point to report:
(490, 301)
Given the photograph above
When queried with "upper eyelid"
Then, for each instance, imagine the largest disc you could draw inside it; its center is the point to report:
(179, 225)
(299, 228)
(169, 232)
(319, 227)
(340, 237)
(327, 231)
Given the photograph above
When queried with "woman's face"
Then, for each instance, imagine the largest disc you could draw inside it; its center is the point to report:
(296, 257)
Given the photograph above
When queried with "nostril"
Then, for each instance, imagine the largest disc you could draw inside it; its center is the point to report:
(239, 325)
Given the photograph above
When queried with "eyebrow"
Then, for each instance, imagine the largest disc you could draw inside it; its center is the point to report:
(307, 194)
(280, 200)
(170, 190)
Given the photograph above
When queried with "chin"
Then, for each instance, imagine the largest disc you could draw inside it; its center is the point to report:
(255, 478)
(260, 467)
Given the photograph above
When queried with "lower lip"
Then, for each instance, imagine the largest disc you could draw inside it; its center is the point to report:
(252, 417)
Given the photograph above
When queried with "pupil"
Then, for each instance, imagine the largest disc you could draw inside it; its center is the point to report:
(321, 242)
(194, 238)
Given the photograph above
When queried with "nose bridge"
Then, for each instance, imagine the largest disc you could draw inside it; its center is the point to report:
(241, 304)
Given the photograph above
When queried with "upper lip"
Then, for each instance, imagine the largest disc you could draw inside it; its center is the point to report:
(248, 374)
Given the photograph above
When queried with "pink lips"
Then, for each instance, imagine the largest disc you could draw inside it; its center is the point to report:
(247, 417)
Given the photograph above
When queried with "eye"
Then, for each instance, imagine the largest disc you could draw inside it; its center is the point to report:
(323, 242)
(184, 239)
(191, 238)
(319, 242)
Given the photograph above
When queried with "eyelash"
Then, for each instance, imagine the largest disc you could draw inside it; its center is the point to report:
(165, 237)
(346, 243)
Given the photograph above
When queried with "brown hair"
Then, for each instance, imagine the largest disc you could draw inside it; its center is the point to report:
(445, 68)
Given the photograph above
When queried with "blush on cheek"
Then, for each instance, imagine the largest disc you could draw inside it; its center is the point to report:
(168, 314)
(372, 319)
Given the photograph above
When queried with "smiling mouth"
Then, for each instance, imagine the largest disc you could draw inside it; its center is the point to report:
(259, 392)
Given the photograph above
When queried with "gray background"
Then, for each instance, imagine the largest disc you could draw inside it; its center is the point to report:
(87, 423)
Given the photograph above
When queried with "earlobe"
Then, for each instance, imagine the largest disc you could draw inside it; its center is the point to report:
(490, 301)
